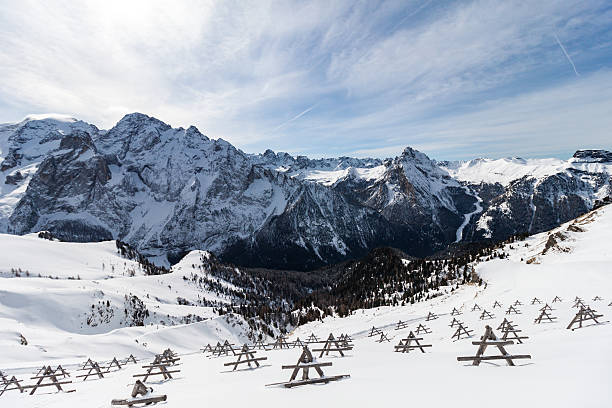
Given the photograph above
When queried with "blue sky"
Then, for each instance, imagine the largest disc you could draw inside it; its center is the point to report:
(456, 79)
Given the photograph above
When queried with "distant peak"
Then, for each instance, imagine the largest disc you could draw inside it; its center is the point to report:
(593, 155)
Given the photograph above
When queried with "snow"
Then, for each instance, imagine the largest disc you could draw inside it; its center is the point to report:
(567, 368)
(468, 216)
(506, 170)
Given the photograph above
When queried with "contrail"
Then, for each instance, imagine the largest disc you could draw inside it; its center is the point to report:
(296, 117)
(566, 54)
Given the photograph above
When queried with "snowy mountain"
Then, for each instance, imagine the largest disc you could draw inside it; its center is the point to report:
(168, 191)
(52, 314)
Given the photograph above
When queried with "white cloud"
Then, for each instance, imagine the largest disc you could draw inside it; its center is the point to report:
(391, 72)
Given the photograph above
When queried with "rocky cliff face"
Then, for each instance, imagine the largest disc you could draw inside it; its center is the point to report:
(167, 191)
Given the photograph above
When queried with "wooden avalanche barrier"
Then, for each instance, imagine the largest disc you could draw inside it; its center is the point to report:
(511, 329)
(401, 325)
(280, 343)
(585, 314)
(545, 316)
(50, 376)
(333, 345)
(12, 382)
(489, 339)
(431, 316)
(374, 332)
(405, 345)
(422, 329)
(305, 363)
(461, 332)
(249, 357)
(140, 390)
(160, 366)
(513, 310)
(486, 315)
(92, 368)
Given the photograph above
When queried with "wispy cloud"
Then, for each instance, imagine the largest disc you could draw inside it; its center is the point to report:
(330, 77)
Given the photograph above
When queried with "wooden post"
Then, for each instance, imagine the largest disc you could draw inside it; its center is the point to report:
(405, 345)
(249, 357)
(513, 310)
(486, 315)
(490, 339)
(461, 332)
(585, 314)
(455, 312)
(401, 325)
(305, 363)
(332, 345)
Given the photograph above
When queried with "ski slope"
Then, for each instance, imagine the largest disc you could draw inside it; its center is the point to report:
(567, 368)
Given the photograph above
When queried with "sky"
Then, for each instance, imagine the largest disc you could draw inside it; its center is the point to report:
(454, 79)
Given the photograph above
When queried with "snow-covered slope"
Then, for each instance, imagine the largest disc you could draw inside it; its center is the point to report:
(506, 170)
(64, 297)
(567, 368)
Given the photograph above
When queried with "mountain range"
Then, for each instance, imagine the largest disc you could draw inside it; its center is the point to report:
(167, 191)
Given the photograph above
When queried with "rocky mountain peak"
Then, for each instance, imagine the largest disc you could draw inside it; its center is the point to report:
(593, 156)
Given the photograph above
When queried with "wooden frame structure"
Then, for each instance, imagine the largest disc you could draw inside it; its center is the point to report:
(517, 303)
(161, 364)
(455, 322)
(92, 368)
(462, 331)
(455, 312)
(374, 332)
(224, 349)
(131, 359)
(249, 357)
(585, 314)
(422, 329)
(405, 345)
(305, 363)
(490, 339)
(383, 338)
(544, 317)
(260, 345)
(496, 304)
(333, 345)
(557, 299)
(510, 328)
(13, 381)
(535, 300)
(312, 338)
(297, 343)
(475, 307)
(431, 316)
(486, 315)
(504, 324)
(401, 325)
(596, 298)
(140, 390)
(513, 310)
(47, 374)
(280, 343)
